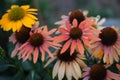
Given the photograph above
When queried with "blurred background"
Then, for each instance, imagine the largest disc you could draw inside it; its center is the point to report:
(50, 11)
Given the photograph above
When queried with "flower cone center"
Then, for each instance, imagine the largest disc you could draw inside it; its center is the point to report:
(108, 36)
(23, 35)
(98, 72)
(66, 57)
(36, 39)
(75, 33)
(16, 14)
(76, 14)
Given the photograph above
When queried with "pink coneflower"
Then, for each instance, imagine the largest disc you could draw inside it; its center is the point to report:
(18, 38)
(99, 72)
(66, 64)
(75, 14)
(40, 40)
(108, 48)
(77, 34)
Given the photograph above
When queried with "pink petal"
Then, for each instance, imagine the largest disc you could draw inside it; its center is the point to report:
(26, 55)
(86, 42)
(45, 48)
(106, 50)
(23, 45)
(86, 23)
(43, 53)
(62, 30)
(60, 22)
(86, 78)
(35, 55)
(54, 45)
(94, 38)
(93, 30)
(113, 75)
(73, 46)
(61, 38)
(68, 26)
(75, 23)
(45, 29)
(80, 47)
(64, 17)
(52, 31)
(14, 52)
(66, 46)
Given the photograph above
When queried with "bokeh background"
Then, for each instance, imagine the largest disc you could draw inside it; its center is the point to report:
(49, 11)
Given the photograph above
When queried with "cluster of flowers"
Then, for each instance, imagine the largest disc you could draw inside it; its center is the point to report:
(82, 47)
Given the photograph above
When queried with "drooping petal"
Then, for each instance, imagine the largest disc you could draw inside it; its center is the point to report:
(52, 31)
(77, 69)
(65, 46)
(80, 47)
(32, 16)
(35, 55)
(68, 26)
(61, 38)
(73, 46)
(49, 61)
(55, 69)
(14, 52)
(62, 30)
(42, 54)
(86, 23)
(61, 71)
(68, 71)
(113, 75)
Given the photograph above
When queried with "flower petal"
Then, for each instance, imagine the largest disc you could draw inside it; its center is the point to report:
(35, 55)
(61, 71)
(75, 23)
(73, 46)
(55, 69)
(68, 71)
(80, 47)
(25, 7)
(65, 46)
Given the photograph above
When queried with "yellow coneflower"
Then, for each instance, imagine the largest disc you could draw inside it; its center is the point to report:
(18, 16)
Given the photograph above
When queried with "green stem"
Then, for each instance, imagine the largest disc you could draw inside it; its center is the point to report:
(47, 68)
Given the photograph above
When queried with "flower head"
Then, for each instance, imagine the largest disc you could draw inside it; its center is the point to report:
(66, 64)
(76, 35)
(19, 38)
(99, 72)
(75, 14)
(39, 40)
(108, 47)
(16, 17)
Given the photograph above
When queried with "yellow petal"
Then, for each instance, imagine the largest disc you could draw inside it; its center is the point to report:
(14, 27)
(32, 10)
(8, 10)
(8, 26)
(33, 17)
(27, 22)
(14, 6)
(25, 7)
(32, 13)
(19, 25)
(5, 16)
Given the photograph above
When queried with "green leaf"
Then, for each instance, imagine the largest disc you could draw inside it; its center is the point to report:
(5, 67)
